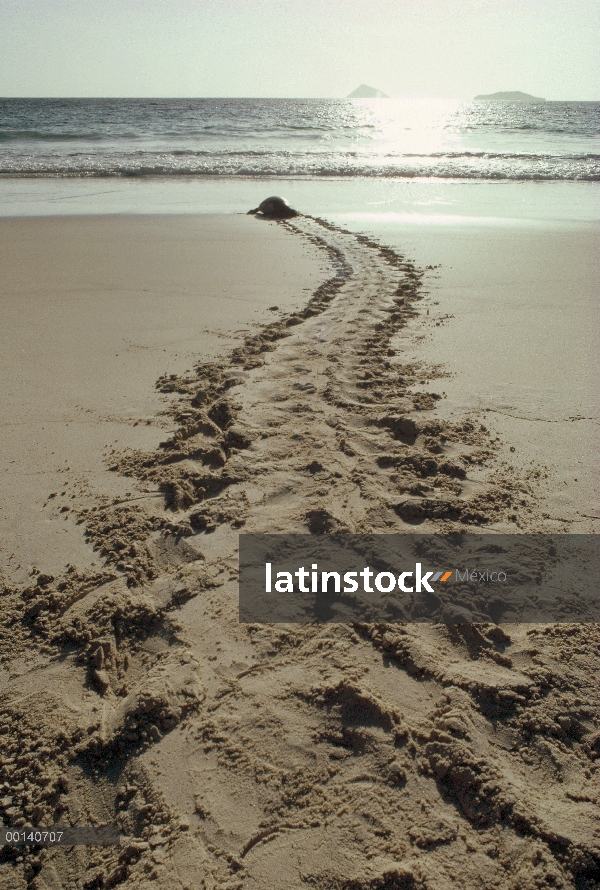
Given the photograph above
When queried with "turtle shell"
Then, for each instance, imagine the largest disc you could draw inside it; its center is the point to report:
(276, 208)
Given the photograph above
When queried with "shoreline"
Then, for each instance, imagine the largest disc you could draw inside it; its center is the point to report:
(262, 753)
(544, 204)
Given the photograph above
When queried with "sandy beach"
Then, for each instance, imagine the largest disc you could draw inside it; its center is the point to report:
(93, 310)
(512, 313)
(171, 381)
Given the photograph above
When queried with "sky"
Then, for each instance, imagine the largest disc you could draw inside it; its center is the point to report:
(314, 48)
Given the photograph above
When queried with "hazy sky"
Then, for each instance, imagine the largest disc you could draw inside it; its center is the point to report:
(314, 48)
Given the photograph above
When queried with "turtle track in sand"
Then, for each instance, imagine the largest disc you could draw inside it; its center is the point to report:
(337, 426)
(330, 757)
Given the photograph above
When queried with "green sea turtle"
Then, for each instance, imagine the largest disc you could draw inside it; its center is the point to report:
(274, 208)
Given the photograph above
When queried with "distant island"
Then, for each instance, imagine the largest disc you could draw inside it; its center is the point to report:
(509, 97)
(365, 92)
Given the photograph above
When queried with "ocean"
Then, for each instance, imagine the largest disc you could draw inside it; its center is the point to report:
(300, 139)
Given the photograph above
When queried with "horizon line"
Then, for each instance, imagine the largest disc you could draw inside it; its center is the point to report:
(274, 98)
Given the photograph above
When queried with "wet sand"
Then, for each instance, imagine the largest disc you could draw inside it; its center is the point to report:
(247, 756)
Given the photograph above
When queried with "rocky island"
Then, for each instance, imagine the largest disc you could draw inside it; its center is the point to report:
(366, 92)
(508, 97)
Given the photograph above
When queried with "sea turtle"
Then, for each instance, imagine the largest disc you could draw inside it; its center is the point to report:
(274, 208)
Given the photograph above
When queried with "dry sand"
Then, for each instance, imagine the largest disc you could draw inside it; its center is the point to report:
(512, 312)
(92, 311)
(232, 756)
